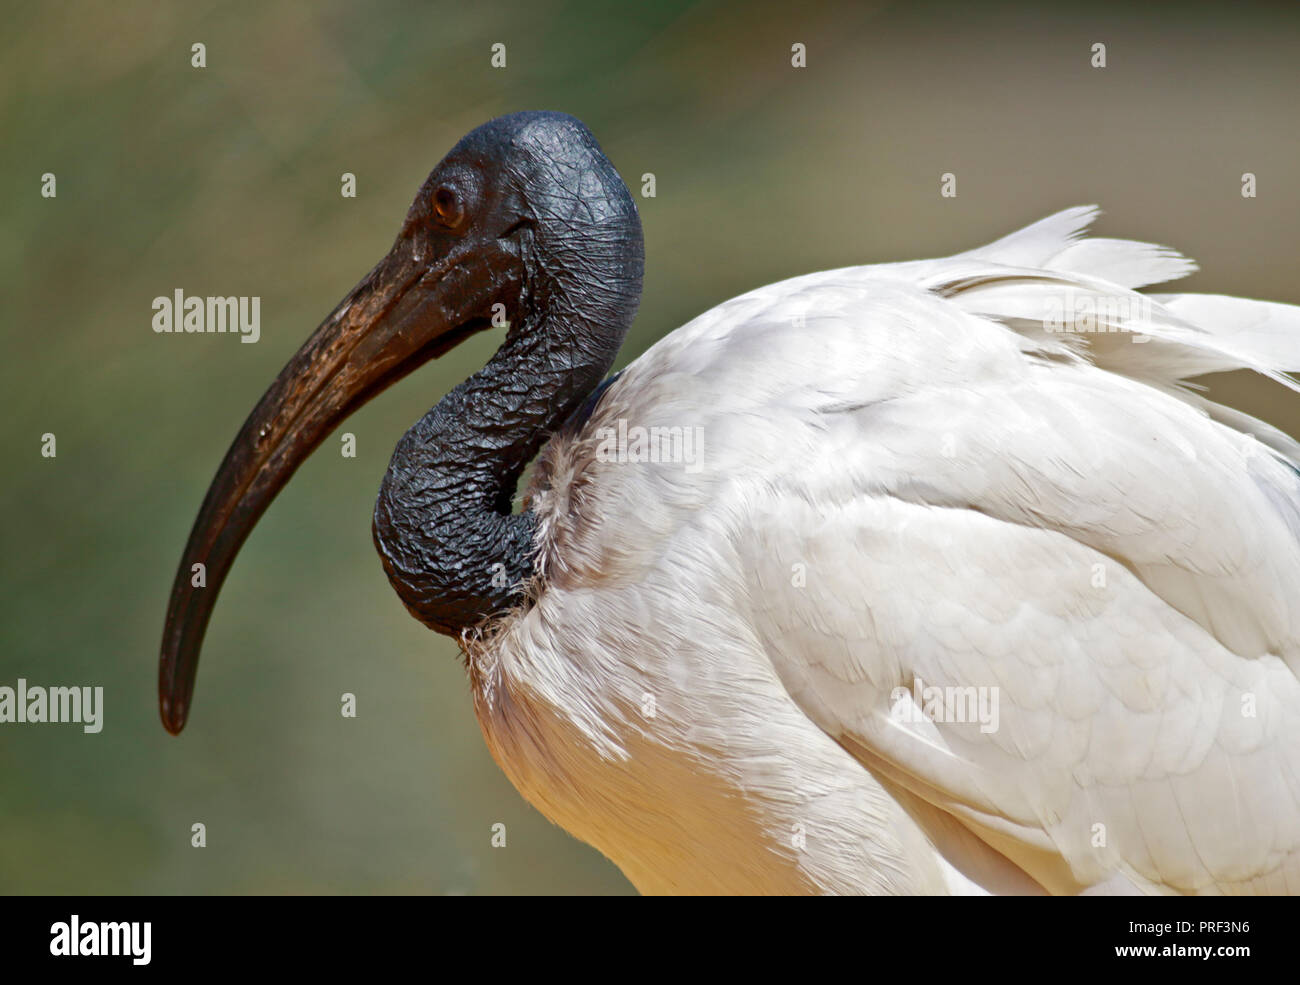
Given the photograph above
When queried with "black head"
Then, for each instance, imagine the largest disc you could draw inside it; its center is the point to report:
(525, 207)
(525, 213)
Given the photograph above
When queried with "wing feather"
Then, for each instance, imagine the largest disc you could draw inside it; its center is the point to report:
(991, 488)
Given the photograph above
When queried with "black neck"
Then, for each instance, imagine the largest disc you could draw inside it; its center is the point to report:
(443, 524)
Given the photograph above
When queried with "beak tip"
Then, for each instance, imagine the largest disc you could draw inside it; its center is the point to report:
(173, 715)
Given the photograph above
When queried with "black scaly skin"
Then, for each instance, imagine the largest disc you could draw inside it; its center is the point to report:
(443, 526)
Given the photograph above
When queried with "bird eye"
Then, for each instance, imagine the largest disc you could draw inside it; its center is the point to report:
(447, 207)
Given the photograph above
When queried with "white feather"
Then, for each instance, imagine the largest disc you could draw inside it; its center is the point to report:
(924, 472)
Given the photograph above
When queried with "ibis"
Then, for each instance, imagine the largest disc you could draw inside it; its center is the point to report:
(942, 576)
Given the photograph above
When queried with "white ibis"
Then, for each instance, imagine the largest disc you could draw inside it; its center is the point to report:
(956, 585)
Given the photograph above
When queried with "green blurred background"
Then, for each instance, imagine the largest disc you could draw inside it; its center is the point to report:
(225, 181)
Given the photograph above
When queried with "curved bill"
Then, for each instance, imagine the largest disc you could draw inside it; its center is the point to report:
(391, 323)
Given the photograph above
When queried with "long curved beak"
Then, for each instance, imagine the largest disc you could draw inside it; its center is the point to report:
(391, 323)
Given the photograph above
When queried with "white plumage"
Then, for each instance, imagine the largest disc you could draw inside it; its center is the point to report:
(925, 472)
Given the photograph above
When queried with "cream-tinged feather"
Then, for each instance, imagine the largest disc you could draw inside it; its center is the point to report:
(924, 471)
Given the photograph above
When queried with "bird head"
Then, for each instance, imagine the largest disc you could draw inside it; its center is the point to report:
(514, 218)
